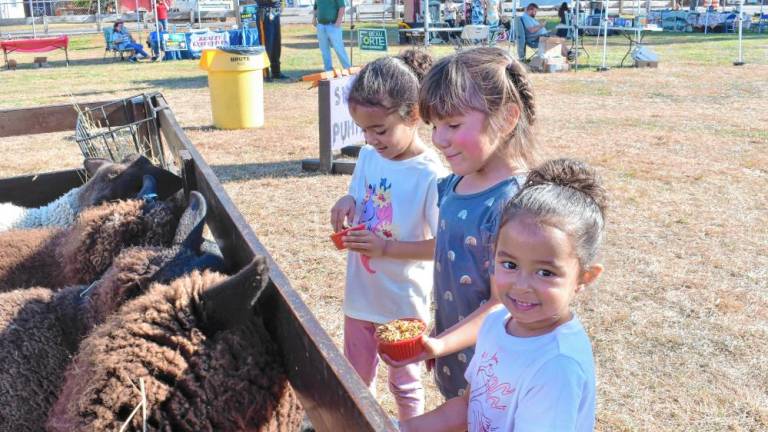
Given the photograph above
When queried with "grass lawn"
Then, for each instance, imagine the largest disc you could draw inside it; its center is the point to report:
(679, 321)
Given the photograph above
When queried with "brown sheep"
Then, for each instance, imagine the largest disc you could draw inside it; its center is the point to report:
(53, 257)
(206, 361)
(41, 329)
(107, 181)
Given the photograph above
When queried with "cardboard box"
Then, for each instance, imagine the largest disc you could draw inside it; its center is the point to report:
(551, 46)
(564, 67)
(549, 64)
(643, 63)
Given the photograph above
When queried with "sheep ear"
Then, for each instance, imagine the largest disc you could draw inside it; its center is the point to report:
(167, 182)
(92, 165)
(230, 302)
(189, 234)
(133, 157)
(148, 188)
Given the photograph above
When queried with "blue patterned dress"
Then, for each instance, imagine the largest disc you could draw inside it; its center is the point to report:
(467, 227)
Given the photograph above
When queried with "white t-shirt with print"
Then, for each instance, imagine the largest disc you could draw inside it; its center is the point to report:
(541, 383)
(396, 200)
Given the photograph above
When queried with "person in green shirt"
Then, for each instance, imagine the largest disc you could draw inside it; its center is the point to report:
(327, 18)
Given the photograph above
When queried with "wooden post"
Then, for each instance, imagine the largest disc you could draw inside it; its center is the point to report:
(326, 164)
(326, 154)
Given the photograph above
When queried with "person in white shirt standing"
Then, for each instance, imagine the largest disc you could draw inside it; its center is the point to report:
(393, 192)
(533, 367)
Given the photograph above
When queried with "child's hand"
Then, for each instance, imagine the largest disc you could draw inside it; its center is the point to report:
(365, 242)
(344, 209)
(433, 347)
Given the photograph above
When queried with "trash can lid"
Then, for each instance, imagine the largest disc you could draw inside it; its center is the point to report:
(243, 49)
(236, 58)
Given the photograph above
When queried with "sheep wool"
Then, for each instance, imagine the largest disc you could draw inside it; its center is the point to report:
(59, 213)
(35, 349)
(196, 377)
(55, 258)
(41, 329)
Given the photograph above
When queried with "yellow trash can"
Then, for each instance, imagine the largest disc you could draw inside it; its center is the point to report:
(236, 83)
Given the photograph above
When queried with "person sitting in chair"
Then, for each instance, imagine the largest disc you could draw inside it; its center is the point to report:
(533, 29)
(123, 40)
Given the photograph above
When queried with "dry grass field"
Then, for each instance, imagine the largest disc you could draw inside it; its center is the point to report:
(679, 322)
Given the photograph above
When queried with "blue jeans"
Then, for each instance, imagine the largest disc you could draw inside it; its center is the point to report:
(329, 35)
(163, 24)
(137, 49)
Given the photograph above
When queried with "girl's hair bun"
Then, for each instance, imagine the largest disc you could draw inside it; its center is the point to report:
(417, 61)
(572, 174)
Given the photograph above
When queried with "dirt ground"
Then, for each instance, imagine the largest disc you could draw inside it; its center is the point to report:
(678, 322)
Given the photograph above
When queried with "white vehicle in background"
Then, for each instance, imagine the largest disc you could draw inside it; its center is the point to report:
(12, 9)
(205, 6)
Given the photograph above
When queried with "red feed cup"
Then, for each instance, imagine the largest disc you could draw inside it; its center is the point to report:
(404, 348)
(336, 237)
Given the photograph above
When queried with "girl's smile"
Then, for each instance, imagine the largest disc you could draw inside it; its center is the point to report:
(537, 274)
(523, 306)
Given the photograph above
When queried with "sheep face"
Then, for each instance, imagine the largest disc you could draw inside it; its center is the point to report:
(111, 181)
(206, 362)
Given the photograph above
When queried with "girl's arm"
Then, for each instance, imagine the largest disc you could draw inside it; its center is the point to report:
(415, 250)
(463, 334)
(450, 416)
(456, 338)
(368, 243)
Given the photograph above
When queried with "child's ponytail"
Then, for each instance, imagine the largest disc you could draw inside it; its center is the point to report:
(566, 194)
(521, 83)
(419, 62)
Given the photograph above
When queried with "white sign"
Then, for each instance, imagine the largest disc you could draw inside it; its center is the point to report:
(508, 9)
(208, 39)
(344, 131)
(215, 5)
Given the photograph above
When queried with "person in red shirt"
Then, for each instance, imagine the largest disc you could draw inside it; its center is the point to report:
(161, 14)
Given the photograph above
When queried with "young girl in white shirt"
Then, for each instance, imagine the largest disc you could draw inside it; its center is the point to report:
(533, 368)
(393, 192)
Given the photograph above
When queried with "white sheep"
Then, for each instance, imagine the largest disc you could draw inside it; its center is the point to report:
(108, 181)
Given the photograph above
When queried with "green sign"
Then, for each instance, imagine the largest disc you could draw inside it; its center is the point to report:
(248, 12)
(174, 42)
(372, 39)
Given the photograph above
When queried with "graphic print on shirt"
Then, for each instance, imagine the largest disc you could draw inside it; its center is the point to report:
(487, 394)
(376, 214)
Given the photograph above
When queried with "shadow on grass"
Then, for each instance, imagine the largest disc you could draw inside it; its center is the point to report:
(255, 171)
(296, 74)
(135, 90)
(176, 83)
(303, 45)
(60, 62)
(697, 38)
